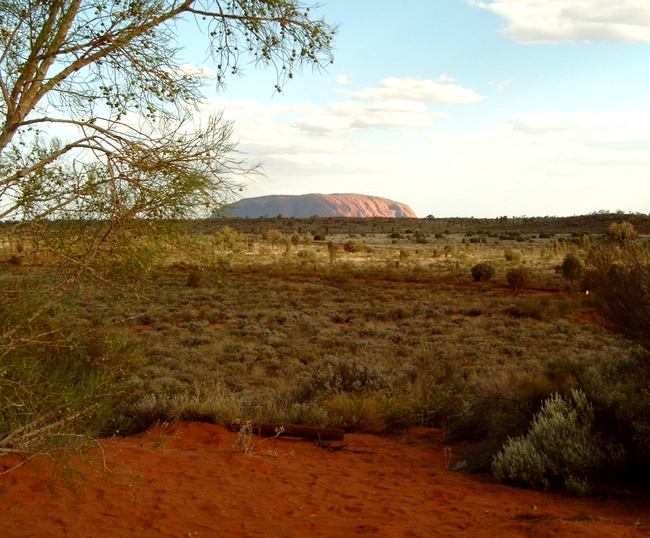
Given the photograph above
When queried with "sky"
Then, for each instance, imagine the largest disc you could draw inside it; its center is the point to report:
(458, 108)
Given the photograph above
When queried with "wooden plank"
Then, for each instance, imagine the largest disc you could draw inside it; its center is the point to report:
(270, 429)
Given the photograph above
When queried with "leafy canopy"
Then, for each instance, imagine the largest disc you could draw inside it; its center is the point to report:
(107, 73)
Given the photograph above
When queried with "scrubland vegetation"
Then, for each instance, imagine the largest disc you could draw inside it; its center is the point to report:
(482, 328)
(114, 316)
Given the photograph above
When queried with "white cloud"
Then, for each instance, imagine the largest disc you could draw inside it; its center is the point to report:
(554, 21)
(342, 79)
(394, 103)
(415, 89)
(616, 130)
(502, 86)
(390, 113)
(534, 163)
(334, 119)
(322, 124)
(570, 165)
(264, 132)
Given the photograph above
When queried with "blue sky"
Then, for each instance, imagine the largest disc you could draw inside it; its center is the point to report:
(460, 108)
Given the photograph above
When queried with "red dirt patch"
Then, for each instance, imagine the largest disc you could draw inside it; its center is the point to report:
(591, 318)
(185, 480)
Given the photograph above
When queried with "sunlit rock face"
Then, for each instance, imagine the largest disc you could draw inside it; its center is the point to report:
(321, 205)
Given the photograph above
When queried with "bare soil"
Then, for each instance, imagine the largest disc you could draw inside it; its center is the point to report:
(189, 480)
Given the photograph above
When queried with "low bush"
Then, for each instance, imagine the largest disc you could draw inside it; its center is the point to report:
(622, 406)
(482, 272)
(334, 375)
(402, 410)
(228, 239)
(621, 281)
(492, 412)
(354, 245)
(307, 255)
(518, 277)
(56, 394)
(511, 255)
(355, 412)
(541, 308)
(560, 446)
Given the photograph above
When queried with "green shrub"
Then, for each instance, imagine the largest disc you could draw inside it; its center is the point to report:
(355, 412)
(495, 410)
(622, 233)
(482, 272)
(402, 410)
(354, 245)
(334, 374)
(621, 401)
(228, 239)
(541, 308)
(272, 237)
(571, 267)
(56, 394)
(512, 255)
(308, 255)
(559, 447)
(518, 277)
(621, 281)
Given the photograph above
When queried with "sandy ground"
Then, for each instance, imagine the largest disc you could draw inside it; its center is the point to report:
(185, 480)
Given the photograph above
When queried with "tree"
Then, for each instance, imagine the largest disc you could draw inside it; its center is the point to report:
(93, 66)
(108, 75)
(571, 267)
(272, 237)
(230, 239)
(622, 233)
(620, 280)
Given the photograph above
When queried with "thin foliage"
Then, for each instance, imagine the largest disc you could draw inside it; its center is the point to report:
(137, 152)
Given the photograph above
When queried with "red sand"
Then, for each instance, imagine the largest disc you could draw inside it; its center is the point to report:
(185, 480)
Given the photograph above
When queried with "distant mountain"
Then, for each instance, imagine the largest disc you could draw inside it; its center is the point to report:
(321, 205)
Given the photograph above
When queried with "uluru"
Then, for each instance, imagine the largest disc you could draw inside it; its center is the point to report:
(320, 205)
